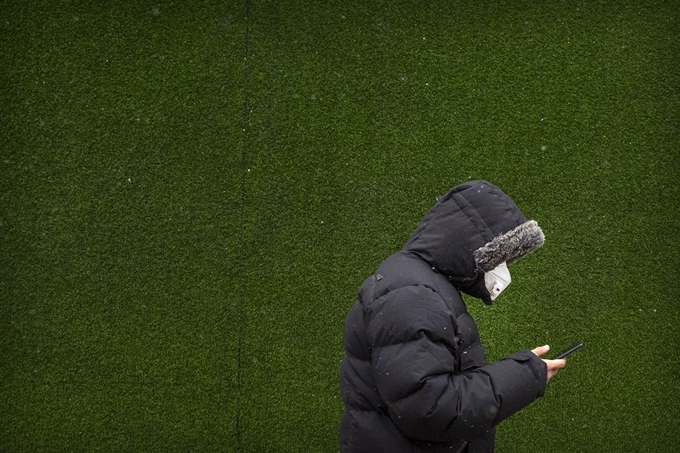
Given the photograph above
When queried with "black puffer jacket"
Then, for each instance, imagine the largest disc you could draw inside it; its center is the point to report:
(414, 377)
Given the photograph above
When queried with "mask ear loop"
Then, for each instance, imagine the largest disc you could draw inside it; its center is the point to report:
(468, 282)
(474, 287)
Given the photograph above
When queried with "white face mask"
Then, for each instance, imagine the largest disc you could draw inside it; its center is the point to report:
(497, 279)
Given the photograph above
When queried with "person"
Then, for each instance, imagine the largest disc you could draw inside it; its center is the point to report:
(414, 376)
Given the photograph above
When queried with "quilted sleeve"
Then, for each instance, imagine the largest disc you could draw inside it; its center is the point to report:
(414, 361)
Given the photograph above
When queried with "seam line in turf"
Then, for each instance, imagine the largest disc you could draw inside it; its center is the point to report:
(245, 120)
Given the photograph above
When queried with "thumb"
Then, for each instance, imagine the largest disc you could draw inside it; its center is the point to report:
(539, 351)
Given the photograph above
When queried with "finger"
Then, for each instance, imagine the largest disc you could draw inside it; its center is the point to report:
(560, 363)
(553, 367)
(555, 364)
(539, 351)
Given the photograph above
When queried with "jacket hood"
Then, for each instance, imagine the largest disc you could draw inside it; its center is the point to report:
(473, 216)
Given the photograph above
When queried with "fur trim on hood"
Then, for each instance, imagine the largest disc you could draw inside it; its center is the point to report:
(472, 229)
(510, 246)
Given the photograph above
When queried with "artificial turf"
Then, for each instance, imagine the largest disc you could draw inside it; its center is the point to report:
(192, 192)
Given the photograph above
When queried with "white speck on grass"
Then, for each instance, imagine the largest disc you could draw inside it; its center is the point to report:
(155, 11)
(543, 147)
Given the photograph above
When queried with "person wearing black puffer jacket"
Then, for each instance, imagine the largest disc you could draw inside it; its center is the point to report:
(414, 377)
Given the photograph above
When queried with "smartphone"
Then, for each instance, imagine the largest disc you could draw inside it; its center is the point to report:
(574, 348)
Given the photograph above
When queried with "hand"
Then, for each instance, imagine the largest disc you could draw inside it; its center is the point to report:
(553, 365)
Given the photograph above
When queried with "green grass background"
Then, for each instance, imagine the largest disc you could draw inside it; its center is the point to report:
(192, 192)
